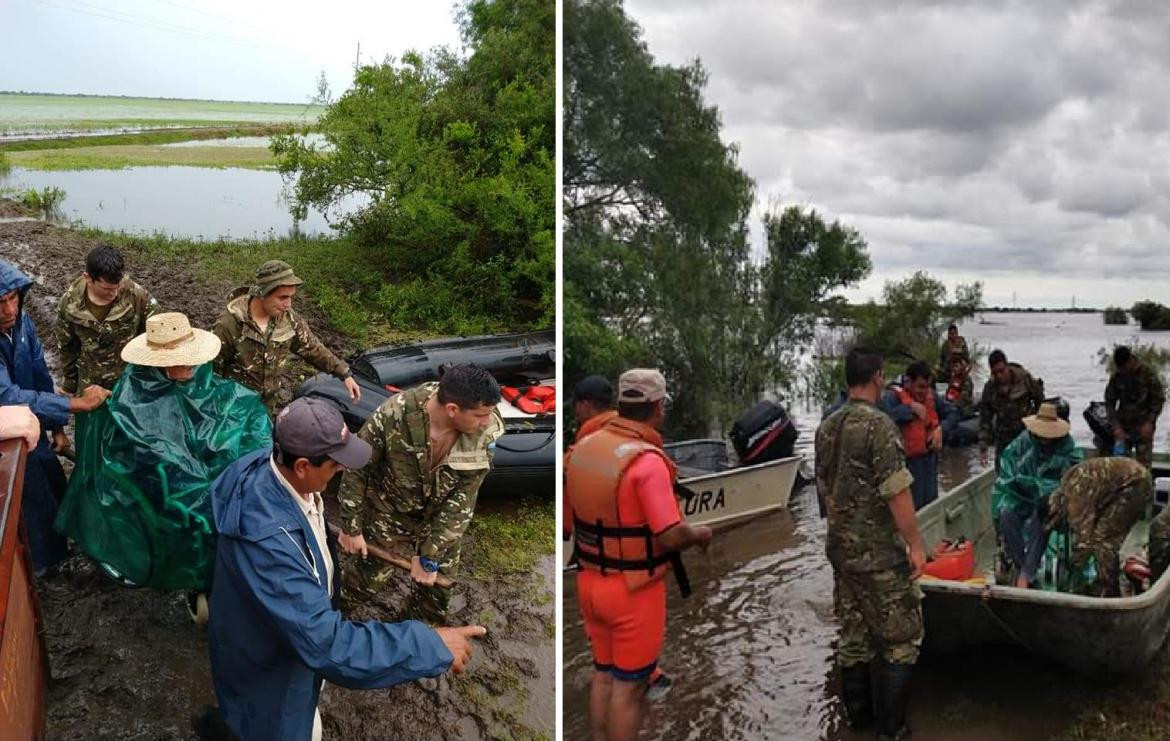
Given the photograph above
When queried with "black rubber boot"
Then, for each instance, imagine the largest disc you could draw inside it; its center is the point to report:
(892, 696)
(857, 692)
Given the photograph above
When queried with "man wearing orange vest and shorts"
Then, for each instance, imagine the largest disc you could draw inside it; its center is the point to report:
(629, 532)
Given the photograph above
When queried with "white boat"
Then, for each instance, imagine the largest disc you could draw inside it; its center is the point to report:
(715, 493)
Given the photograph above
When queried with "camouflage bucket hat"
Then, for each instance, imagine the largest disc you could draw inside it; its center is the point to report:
(272, 275)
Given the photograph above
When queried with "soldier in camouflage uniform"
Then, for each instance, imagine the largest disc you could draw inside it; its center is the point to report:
(1159, 546)
(433, 447)
(954, 348)
(1099, 500)
(1133, 398)
(260, 332)
(1008, 396)
(874, 547)
(97, 315)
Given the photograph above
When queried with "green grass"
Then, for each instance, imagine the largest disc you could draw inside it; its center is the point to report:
(137, 155)
(5, 164)
(511, 545)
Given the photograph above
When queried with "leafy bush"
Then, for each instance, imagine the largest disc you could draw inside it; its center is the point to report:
(1151, 315)
(1116, 315)
(47, 200)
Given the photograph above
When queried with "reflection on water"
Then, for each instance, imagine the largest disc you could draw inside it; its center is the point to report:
(194, 202)
(750, 653)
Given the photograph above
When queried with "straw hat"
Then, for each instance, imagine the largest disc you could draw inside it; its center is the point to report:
(1046, 423)
(170, 340)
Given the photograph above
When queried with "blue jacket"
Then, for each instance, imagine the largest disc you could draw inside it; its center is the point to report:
(274, 634)
(24, 377)
(25, 380)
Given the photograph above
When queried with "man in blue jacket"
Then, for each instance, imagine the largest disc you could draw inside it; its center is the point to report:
(275, 633)
(25, 381)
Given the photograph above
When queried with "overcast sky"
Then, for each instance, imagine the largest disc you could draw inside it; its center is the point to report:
(1023, 144)
(265, 50)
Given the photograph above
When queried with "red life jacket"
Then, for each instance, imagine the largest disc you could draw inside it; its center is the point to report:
(916, 432)
(954, 391)
(608, 536)
(531, 399)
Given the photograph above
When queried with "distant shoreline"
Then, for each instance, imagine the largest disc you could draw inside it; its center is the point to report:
(154, 97)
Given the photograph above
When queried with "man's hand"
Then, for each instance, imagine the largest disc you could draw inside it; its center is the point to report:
(702, 538)
(1147, 430)
(421, 575)
(917, 559)
(353, 544)
(60, 442)
(19, 421)
(458, 642)
(1118, 433)
(936, 439)
(919, 409)
(90, 399)
(982, 456)
(355, 391)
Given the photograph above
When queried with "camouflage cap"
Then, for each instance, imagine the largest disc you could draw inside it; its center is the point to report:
(272, 275)
(642, 384)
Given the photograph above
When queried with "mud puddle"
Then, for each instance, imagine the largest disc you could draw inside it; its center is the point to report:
(129, 663)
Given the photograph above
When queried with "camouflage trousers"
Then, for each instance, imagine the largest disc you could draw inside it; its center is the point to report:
(365, 578)
(1099, 530)
(1141, 447)
(879, 611)
(1159, 549)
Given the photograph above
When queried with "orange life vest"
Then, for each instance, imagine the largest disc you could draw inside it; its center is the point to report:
(608, 537)
(954, 390)
(531, 399)
(917, 431)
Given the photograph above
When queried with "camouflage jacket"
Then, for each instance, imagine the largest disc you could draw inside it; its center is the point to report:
(860, 467)
(258, 357)
(951, 351)
(91, 351)
(1002, 408)
(1135, 395)
(1085, 489)
(396, 496)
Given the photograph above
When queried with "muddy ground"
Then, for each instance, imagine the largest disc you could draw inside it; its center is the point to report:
(129, 663)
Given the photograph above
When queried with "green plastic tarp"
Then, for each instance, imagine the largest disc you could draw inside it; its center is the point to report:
(137, 501)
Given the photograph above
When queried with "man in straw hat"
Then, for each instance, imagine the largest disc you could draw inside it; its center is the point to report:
(275, 633)
(1099, 500)
(620, 486)
(1030, 469)
(25, 380)
(137, 500)
(260, 332)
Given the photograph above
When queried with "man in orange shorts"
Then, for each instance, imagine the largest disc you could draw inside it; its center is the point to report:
(629, 531)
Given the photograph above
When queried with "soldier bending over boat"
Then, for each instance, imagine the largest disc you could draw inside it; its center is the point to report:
(1133, 399)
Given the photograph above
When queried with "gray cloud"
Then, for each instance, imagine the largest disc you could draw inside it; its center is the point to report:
(995, 140)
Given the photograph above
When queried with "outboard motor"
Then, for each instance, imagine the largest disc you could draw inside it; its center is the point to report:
(763, 433)
(1098, 419)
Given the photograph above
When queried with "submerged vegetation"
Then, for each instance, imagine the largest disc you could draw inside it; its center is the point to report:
(137, 155)
(1152, 316)
(1116, 315)
(45, 201)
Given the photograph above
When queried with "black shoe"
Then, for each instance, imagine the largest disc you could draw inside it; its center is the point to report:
(857, 694)
(657, 686)
(892, 696)
(209, 725)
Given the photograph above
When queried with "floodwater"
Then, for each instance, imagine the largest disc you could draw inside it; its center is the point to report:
(194, 202)
(750, 652)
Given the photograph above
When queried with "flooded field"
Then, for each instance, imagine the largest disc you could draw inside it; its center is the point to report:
(23, 115)
(190, 202)
(750, 653)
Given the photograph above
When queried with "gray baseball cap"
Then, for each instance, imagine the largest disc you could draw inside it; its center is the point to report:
(308, 428)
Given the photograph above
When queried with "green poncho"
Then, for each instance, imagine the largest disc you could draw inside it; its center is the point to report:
(1027, 477)
(137, 500)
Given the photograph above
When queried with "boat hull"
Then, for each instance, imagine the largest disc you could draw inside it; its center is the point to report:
(1090, 635)
(24, 664)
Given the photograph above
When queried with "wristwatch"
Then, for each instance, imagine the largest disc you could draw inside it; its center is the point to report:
(428, 565)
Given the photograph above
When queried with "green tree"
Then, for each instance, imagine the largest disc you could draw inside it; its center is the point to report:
(454, 160)
(658, 269)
